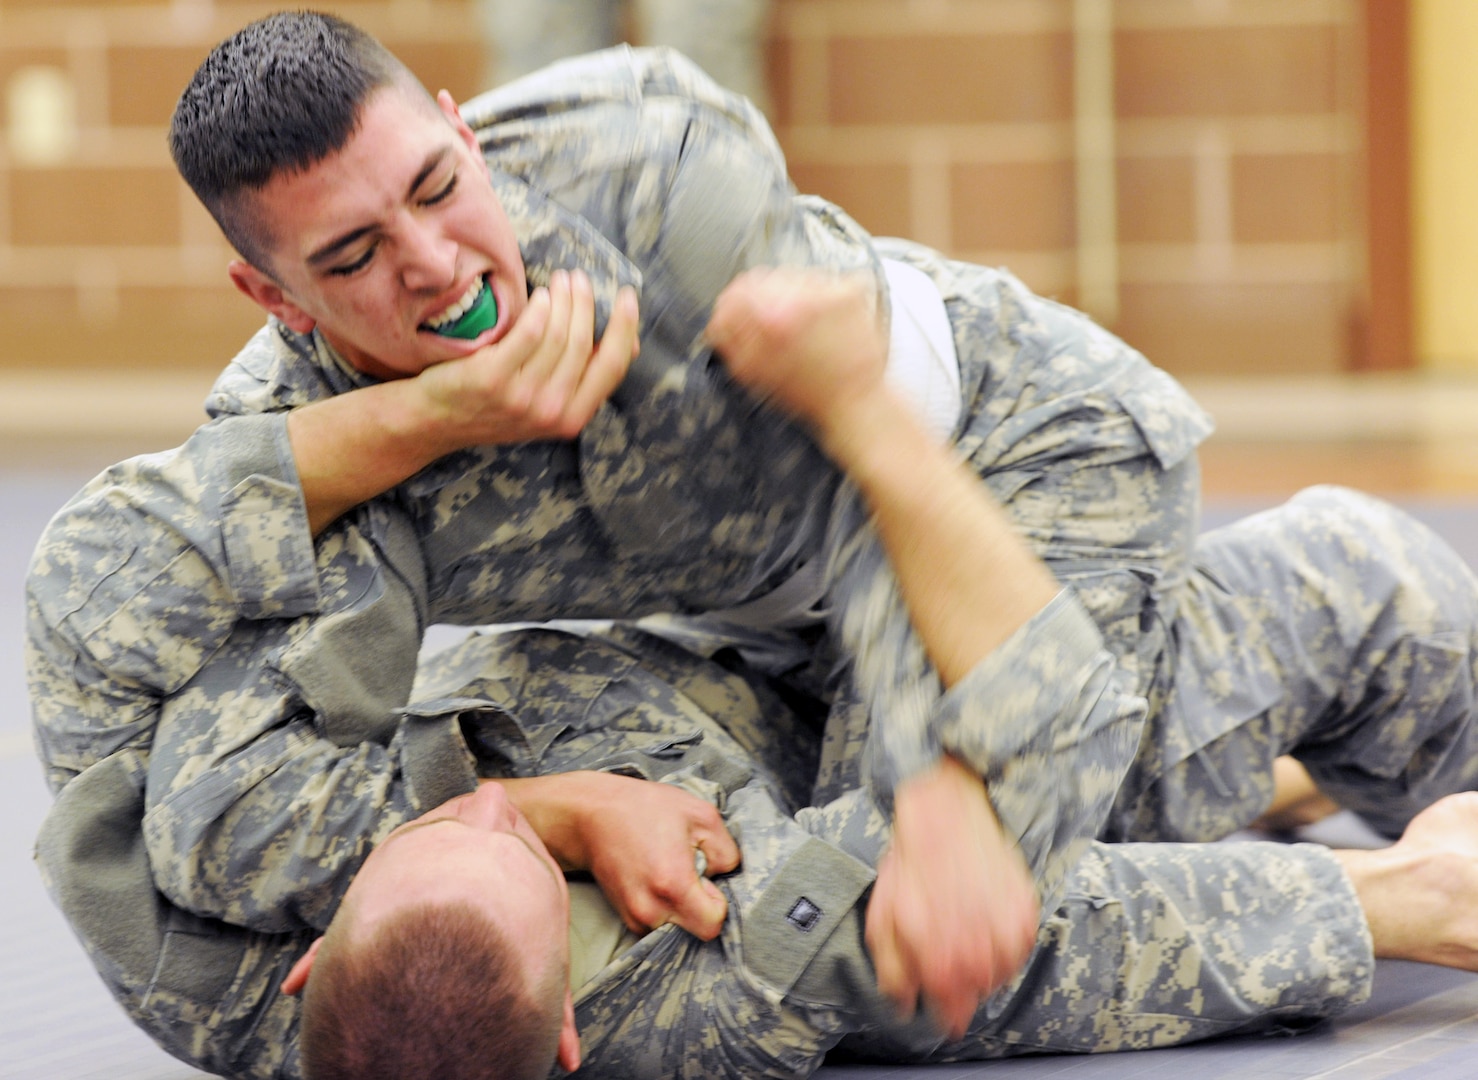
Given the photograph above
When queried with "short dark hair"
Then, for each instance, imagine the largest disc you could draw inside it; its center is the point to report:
(435, 991)
(278, 96)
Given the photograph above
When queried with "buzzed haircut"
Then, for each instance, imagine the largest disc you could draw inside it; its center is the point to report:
(278, 96)
(437, 992)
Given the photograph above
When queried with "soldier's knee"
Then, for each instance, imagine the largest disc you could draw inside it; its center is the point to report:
(1384, 544)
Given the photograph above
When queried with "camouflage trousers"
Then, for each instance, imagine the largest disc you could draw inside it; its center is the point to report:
(1335, 628)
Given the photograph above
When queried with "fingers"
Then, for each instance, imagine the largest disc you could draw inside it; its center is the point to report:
(897, 977)
(672, 887)
(953, 913)
(561, 379)
(499, 368)
(692, 901)
(599, 378)
(949, 977)
(560, 334)
(564, 379)
(701, 909)
(676, 892)
(720, 851)
(554, 370)
(738, 328)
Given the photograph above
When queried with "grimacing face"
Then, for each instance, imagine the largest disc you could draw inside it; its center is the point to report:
(388, 233)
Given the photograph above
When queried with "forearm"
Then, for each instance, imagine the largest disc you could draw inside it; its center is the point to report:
(358, 445)
(969, 582)
(555, 805)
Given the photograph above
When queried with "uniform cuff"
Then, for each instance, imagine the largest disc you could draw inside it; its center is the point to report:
(268, 543)
(1027, 687)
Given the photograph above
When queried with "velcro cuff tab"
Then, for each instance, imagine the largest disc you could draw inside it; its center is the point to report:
(807, 899)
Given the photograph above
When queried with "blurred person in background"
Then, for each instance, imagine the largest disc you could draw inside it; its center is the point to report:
(724, 37)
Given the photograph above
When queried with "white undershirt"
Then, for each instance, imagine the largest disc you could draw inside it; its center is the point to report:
(922, 363)
(597, 934)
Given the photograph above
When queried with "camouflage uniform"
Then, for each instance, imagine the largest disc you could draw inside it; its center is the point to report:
(1146, 947)
(227, 701)
(683, 495)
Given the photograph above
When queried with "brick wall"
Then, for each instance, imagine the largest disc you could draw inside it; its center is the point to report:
(1238, 133)
(1238, 139)
(106, 259)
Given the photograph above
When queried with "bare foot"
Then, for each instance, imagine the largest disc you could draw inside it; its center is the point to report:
(1420, 896)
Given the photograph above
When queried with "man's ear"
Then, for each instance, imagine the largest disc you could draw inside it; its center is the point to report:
(466, 134)
(268, 295)
(569, 1037)
(297, 978)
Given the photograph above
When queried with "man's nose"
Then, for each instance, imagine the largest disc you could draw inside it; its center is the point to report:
(428, 258)
(494, 808)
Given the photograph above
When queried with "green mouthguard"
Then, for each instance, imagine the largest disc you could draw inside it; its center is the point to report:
(482, 315)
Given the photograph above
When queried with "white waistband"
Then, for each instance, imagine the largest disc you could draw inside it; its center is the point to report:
(922, 362)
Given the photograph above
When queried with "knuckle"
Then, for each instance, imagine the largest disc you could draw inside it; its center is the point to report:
(668, 885)
(644, 910)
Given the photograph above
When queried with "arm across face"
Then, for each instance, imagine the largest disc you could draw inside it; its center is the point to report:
(474, 880)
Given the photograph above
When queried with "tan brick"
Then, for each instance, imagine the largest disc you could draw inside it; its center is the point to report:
(1156, 200)
(1237, 71)
(1020, 206)
(876, 195)
(12, 60)
(1224, 328)
(955, 80)
(23, 5)
(144, 82)
(780, 62)
(1287, 197)
(457, 68)
(45, 306)
(196, 329)
(1233, 468)
(210, 304)
(94, 206)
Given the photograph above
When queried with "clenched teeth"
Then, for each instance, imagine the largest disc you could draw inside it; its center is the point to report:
(457, 310)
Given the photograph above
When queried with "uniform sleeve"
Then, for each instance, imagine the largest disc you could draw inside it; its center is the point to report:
(254, 499)
(1048, 719)
(203, 990)
(130, 593)
(1050, 702)
(282, 763)
(270, 834)
(276, 748)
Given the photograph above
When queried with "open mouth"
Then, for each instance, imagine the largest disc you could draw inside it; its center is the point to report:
(475, 312)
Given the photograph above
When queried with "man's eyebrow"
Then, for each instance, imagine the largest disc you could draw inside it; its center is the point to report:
(331, 249)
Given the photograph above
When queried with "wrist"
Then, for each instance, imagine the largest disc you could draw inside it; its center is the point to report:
(557, 807)
(417, 423)
(868, 433)
(937, 795)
